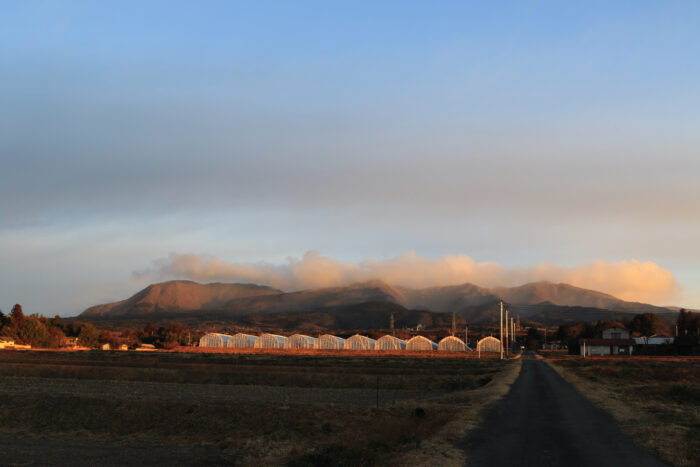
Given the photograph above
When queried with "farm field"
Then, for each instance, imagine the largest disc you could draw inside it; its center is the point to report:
(162, 408)
(656, 400)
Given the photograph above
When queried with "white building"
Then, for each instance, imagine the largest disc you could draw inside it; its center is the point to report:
(489, 344)
(359, 342)
(213, 339)
(594, 347)
(420, 343)
(330, 342)
(390, 342)
(270, 341)
(452, 344)
(242, 341)
(300, 341)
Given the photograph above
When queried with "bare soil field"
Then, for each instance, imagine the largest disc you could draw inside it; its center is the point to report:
(656, 400)
(158, 408)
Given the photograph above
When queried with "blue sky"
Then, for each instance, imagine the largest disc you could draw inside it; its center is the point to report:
(513, 132)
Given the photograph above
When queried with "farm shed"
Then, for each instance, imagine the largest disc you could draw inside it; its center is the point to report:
(489, 344)
(390, 343)
(329, 342)
(213, 339)
(300, 341)
(606, 346)
(358, 342)
(452, 344)
(421, 343)
(242, 341)
(270, 341)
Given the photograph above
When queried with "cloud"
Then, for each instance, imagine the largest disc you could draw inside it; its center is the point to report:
(628, 280)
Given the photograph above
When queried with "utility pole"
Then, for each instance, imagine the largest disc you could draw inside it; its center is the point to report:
(454, 324)
(501, 329)
(391, 325)
(507, 342)
(466, 336)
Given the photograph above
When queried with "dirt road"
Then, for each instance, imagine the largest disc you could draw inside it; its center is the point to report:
(544, 421)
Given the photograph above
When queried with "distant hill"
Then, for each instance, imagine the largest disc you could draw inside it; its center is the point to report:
(174, 296)
(568, 295)
(368, 315)
(349, 307)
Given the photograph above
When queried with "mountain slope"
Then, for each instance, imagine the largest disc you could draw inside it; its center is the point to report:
(449, 298)
(567, 295)
(238, 299)
(180, 298)
(175, 296)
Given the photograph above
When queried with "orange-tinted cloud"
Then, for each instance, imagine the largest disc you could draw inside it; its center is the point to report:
(629, 280)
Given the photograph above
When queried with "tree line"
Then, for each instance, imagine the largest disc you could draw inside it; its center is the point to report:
(42, 332)
(645, 324)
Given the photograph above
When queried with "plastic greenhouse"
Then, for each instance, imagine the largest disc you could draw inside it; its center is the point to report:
(421, 343)
(270, 341)
(300, 341)
(389, 342)
(489, 344)
(243, 341)
(329, 342)
(452, 344)
(358, 342)
(213, 339)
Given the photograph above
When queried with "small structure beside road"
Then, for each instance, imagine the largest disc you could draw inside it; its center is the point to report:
(6, 343)
(595, 347)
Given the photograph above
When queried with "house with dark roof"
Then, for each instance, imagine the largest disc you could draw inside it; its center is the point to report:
(615, 341)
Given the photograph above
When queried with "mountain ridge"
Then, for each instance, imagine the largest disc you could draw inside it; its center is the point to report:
(182, 297)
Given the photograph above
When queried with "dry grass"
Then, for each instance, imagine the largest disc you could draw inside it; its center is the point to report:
(257, 409)
(656, 401)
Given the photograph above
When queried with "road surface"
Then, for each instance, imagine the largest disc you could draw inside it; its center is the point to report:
(544, 421)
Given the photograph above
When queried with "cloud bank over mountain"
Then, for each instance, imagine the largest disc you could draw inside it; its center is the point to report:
(628, 280)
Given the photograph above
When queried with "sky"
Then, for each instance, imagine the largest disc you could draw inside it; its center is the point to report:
(305, 144)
